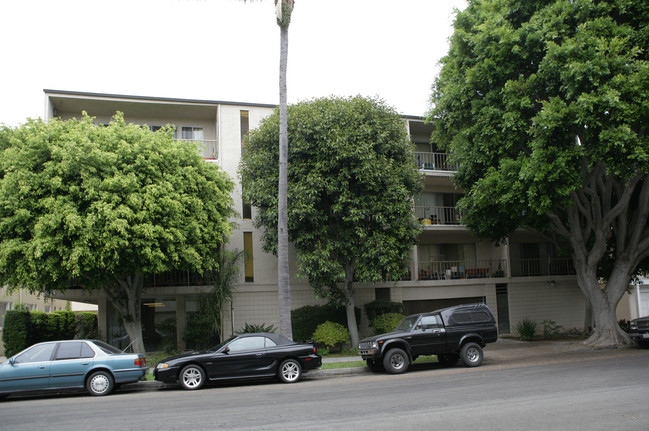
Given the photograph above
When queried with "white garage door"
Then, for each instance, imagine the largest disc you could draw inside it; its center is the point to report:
(643, 300)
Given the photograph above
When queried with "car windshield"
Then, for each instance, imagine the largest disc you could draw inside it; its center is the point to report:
(407, 323)
(221, 344)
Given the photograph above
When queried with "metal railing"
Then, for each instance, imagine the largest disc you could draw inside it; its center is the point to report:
(541, 267)
(456, 269)
(438, 215)
(210, 148)
(434, 162)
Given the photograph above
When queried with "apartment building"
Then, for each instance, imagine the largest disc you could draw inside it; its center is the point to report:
(523, 279)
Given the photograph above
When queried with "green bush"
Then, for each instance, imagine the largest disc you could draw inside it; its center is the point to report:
(526, 328)
(16, 331)
(305, 320)
(86, 326)
(378, 308)
(386, 322)
(66, 324)
(332, 335)
(199, 334)
(249, 329)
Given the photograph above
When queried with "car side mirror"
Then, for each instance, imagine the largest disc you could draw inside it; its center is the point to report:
(12, 361)
(226, 350)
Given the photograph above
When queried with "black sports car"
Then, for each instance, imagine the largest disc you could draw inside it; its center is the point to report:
(243, 356)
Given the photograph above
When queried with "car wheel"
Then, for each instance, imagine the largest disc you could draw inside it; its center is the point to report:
(100, 383)
(448, 359)
(374, 365)
(192, 377)
(289, 371)
(471, 354)
(396, 361)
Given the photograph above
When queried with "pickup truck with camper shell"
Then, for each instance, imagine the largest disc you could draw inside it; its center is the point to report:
(454, 333)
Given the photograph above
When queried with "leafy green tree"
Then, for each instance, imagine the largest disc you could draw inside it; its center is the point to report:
(544, 105)
(351, 183)
(99, 207)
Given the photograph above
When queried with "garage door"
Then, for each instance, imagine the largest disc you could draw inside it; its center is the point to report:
(643, 300)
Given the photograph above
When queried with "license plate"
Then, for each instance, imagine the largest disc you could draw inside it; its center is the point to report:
(645, 335)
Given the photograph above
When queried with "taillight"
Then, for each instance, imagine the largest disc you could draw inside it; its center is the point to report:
(140, 362)
(315, 349)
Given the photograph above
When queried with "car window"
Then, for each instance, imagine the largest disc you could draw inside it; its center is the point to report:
(270, 343)
(38, 353)
(247, 343)
(106, 348)
(74, 350)
(407, 323)
(428, 322)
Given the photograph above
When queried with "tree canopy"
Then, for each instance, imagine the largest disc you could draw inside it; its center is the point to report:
(352, 179)
(101, 206)
(544, 105)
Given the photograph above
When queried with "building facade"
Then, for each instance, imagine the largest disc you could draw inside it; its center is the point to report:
(522, 279)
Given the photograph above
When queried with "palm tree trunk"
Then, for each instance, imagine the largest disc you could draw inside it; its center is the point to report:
(283, 277)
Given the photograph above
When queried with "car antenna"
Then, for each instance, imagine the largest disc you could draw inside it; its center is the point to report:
(130, 344)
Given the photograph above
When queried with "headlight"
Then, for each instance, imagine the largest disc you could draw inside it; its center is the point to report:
(162, 366)
(375, 345)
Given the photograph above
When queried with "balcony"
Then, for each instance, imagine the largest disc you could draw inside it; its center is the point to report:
(455, 269)
(429, 216)
(541, 267)
(435, 162)
(210, 148)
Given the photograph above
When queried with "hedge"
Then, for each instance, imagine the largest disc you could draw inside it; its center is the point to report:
(22, 328)
(377, 308)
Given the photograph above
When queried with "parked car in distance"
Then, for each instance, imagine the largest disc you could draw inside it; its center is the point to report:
(639, 330)
(452, 334)
(243, 356)
(71, 364)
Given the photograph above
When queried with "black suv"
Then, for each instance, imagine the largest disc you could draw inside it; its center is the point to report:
(639, 330)
(450, 333)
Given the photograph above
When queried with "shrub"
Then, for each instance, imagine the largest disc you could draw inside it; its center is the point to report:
(86, 326)
(66, 324)
(305, 320)
(526, 329)
(551, 330)
(199, 334)
(378, 308)
(386, 322)
(261, 327)
(16, 332)
(332, 335)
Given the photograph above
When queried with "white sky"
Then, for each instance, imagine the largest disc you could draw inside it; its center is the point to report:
(220, 50)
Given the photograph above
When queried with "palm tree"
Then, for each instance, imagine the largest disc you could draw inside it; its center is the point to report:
(283, 11)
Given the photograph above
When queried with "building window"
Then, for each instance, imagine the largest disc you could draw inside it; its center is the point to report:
(249, 269)
(192, 133)
(244, 124)
(155, 128)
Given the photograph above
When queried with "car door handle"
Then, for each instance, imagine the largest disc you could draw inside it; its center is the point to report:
(259, 355)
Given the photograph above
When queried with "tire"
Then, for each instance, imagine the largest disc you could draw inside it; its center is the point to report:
(192, 377)
(289, 371)
(396, 361)
(100, 383)
(374, 365)
(471, 354)
(448, 359)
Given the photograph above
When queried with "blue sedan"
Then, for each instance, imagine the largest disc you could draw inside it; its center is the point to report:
(56, 365)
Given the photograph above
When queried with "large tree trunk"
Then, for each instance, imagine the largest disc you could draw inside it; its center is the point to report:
(350, 305)
(603, 217)
(125, 294)
(283, 277)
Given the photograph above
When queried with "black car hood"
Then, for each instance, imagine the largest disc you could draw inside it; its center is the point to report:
(378, 337)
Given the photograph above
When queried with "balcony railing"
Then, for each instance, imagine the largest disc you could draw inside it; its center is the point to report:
(456, 269)
(541, 267)
(434, 162)
(210, 148)
(438, 215)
